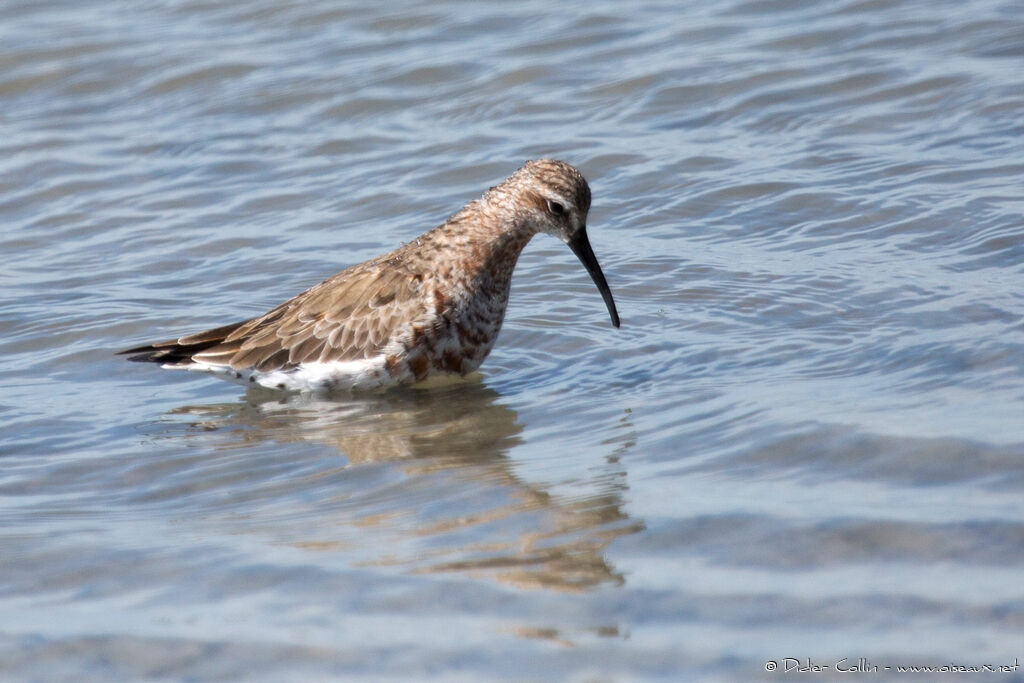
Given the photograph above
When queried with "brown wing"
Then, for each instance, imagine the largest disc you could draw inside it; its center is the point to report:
(351, 316)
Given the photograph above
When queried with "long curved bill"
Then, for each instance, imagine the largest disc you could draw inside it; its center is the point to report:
(580, 246)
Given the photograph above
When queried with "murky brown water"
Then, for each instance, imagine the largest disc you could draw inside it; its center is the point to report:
(806, 441)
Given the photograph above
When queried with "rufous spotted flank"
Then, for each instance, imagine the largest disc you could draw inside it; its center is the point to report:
(431, 307)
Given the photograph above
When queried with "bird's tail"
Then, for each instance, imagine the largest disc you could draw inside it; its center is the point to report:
(180, 351)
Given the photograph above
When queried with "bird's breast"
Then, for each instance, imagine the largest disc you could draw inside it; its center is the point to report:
(455, 340)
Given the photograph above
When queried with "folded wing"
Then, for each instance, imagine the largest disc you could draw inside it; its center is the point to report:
(350, 316)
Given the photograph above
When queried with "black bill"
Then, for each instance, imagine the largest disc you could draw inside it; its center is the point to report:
(580, 246)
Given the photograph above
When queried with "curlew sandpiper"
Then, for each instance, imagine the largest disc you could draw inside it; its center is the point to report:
(431, 307)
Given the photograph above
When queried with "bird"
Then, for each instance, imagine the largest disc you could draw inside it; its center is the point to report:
(432, 307)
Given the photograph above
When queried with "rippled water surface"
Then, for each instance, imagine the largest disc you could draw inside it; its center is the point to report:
(806, 440)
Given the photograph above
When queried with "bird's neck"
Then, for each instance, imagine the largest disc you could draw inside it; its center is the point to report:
(485, 247)
(495, 253)
(494, 267)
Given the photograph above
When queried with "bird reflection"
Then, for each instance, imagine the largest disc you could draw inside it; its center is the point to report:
(484, 521)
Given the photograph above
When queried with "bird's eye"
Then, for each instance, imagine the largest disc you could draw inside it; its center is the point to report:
(555, 208)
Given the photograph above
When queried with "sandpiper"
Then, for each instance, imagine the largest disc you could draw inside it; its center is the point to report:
(431, 307)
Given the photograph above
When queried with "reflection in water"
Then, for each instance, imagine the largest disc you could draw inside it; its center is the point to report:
(479, 517)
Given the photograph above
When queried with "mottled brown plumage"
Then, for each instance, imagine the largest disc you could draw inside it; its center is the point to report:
(432, 306)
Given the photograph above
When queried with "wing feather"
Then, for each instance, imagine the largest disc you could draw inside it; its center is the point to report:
(351, 316)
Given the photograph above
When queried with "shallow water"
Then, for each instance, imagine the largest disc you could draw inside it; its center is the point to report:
(806, 441)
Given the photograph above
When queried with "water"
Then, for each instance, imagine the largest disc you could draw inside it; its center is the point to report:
(806, 441)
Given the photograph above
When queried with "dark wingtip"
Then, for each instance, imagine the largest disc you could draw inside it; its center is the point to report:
(179, 351)
(138, 349)
(153, 353)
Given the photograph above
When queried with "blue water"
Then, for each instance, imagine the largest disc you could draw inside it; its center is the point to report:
(806, 441)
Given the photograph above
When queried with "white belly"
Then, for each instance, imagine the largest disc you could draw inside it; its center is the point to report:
(311, 377)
